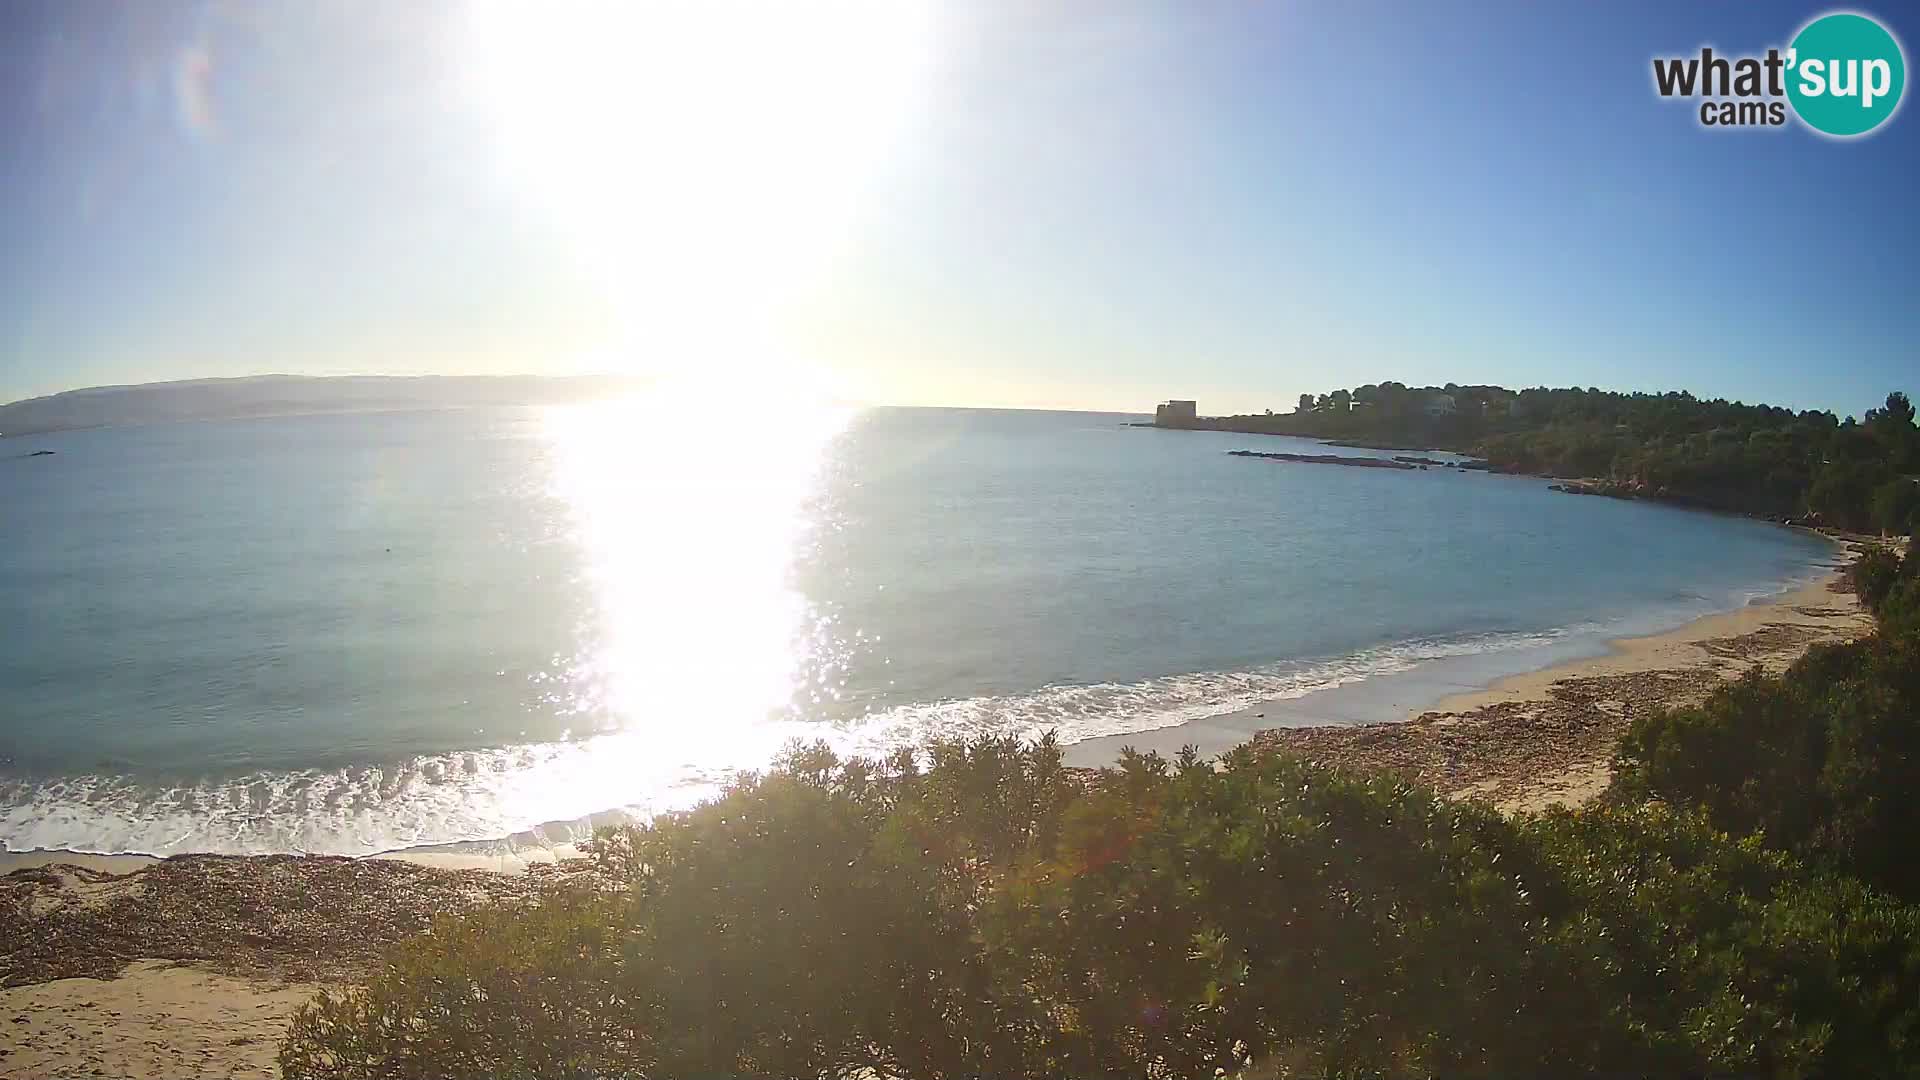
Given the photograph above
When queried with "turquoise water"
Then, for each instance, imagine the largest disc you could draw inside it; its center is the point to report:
(357, 633)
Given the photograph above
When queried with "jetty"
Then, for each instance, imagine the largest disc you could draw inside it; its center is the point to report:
(1327, 459)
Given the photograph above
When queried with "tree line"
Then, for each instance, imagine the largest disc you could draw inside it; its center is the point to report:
(1854, 474)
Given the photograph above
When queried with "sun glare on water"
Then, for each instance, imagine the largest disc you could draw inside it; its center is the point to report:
(705, 162)
(689, 536)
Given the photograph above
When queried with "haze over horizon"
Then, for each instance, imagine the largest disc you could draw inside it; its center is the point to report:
(623, 385)
(937, 204)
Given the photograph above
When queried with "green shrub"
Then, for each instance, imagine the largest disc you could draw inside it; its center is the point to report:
(1896, 506)
(1749, 757)
(1873, 766)
(1896, 593)
(812, 922)
(993, 915)
(1843, 490)
(1732, 958)
(503, 995)
(1874, 574)
(1899, 611)
(1821, 761)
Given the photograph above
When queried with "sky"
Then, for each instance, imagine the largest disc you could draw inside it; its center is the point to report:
(1076, 205)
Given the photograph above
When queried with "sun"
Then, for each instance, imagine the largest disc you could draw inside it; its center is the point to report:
(704, 160)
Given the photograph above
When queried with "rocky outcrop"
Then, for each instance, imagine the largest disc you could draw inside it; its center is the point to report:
(1613, 489)
(1465, 464)
(1327, 459)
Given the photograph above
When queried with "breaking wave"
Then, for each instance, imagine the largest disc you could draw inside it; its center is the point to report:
(559, 790)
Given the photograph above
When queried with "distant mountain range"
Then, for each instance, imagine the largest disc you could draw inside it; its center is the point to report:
(282, 395)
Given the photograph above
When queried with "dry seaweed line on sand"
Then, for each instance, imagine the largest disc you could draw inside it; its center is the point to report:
(305, 918)
(1528, 754)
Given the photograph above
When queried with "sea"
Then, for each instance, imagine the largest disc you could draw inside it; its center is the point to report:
(360, 633)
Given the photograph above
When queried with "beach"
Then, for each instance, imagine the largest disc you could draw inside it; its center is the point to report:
(127, 965)
(194, 965)
(1523, 741)
(1546, 738)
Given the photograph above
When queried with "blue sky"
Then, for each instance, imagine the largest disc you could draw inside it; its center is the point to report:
(1071, 205)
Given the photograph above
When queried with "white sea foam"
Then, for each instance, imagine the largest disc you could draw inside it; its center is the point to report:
(670, 587)
(486, 794)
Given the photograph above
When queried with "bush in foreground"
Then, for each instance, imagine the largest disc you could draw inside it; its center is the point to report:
(993, 915)
(1873, 575)
(1822, 760)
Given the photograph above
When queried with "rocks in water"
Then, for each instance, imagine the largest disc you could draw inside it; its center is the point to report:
(1398, 461)
(41, 453)
(1327, 459)
(1612, 489)
(1464, 465)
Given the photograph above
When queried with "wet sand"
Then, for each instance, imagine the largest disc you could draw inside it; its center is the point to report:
(1525, 741)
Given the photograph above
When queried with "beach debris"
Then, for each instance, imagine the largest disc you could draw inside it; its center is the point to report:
(295, 917)
(1511, 751)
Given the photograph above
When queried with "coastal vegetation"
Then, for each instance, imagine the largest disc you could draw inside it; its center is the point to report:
(1820, 761)
(1856, 474)
(1736, 905)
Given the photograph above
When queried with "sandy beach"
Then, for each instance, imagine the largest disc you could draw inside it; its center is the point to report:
(131, 966)
(1543, 738)
(194, 965)
(1528, 740)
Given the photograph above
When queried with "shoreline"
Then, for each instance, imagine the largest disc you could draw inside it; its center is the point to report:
(1539, 739)
(1447, 684)
(1572, 485)
(136, 965)
(1525, 738)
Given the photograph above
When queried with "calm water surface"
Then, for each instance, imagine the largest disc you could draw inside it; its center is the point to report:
(355, 633)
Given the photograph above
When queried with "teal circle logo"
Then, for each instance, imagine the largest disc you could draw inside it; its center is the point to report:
(1845, 74)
